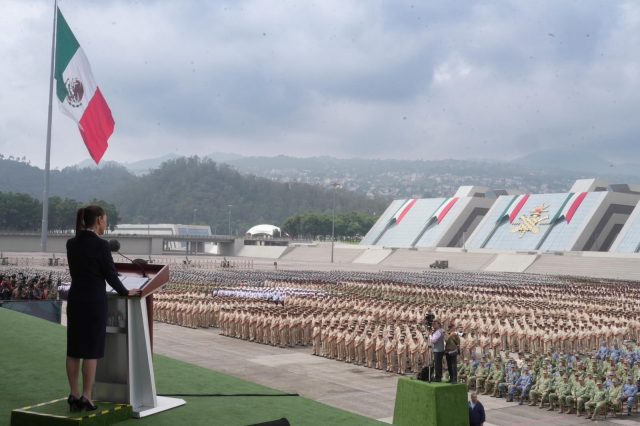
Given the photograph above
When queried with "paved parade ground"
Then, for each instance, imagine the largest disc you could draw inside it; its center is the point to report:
(361, 390)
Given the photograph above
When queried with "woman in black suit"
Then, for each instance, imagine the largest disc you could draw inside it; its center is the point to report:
(90, 265)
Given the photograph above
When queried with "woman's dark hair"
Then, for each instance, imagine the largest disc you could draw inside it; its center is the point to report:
(87, 217)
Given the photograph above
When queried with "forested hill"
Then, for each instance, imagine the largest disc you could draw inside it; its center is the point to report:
(171, 193)
(81, 184)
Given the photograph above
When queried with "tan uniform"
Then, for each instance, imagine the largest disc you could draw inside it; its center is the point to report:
(401, 352)
(369, 344)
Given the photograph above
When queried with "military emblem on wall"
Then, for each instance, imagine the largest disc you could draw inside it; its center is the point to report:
(537, 217)
(75, 90)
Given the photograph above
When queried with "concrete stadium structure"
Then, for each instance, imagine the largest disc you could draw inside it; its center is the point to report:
(628, 240)
(587, 218)
(431, 222)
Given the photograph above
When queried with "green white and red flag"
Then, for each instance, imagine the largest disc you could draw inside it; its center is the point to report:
(403, 211)
(79, 95)
(514, 208)
(571, 205)
(444, 208)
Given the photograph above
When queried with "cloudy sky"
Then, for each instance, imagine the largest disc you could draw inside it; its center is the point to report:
(376, 79)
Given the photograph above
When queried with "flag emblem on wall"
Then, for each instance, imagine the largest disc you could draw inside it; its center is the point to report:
(444, 208)
(514, 208)
(571, 205)
(79, 95)
(403, 211)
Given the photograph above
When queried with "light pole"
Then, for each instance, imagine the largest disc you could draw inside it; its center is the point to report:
(229, 205)
(195, 212)
(333, 217)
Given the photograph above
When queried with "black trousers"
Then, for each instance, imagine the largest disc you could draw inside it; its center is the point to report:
(437, 357)
(452, 366)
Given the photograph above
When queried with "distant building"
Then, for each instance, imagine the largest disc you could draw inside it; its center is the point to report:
(264, 231)
(162, 229)
(168, 229)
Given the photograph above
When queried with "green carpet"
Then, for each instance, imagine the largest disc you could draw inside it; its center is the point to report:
(32, 357)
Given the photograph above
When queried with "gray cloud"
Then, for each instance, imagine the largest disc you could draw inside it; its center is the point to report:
(387, 79)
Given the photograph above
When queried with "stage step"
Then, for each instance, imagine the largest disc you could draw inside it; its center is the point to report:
(56, 412)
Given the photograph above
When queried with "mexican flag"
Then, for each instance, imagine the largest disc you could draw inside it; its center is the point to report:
(79, 95)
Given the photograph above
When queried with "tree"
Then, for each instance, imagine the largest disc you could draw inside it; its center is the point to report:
(312, 224)
(19, 212)
(112, 212)
(62, 213)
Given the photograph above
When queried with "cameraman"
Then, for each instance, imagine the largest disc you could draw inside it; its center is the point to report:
(437, 342)
(452, 349)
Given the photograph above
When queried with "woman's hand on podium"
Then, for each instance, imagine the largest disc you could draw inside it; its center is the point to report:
(134, 292)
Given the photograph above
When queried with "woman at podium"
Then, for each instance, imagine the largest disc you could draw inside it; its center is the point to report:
(90, 265)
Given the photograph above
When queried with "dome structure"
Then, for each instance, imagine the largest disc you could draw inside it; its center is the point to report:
(264, 231)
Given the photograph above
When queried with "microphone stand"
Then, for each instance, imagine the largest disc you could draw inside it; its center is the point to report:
(135, 262)
(114, 245)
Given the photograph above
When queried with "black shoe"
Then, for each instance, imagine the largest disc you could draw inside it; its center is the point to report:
(86, 405)
(74, 403)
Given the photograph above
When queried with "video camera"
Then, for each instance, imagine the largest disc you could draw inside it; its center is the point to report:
(428, 320)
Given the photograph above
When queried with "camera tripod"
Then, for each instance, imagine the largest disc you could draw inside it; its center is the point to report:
(428, 372)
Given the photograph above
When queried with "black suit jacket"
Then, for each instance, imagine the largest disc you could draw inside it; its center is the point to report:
(476, 414)
(90, 264)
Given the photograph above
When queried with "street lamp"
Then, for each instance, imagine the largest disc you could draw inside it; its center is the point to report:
(229, 205)
(195, 212)
(333, 218)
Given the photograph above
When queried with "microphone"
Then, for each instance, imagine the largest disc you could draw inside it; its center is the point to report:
(114, 245)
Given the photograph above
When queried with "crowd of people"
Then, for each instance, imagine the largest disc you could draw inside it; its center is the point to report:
(596, 384)
(29, 284)
(564, 343)
(522, 336)
(496, 312)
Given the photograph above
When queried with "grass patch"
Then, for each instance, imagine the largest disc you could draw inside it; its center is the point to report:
(32, 359)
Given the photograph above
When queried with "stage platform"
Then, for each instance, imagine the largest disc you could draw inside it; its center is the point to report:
(56, 413)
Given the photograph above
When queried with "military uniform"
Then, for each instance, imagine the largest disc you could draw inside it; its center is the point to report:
(478, 377)
(580, 394)
(629, 394)
(401, 352)
(380, 352)
(559, 395)
(597, 401)
(495, 378)
(540, 390)
(369, 343)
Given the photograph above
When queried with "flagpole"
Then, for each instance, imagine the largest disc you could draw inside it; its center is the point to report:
(45, 192)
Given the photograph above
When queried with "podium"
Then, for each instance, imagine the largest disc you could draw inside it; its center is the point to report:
(125, 374)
